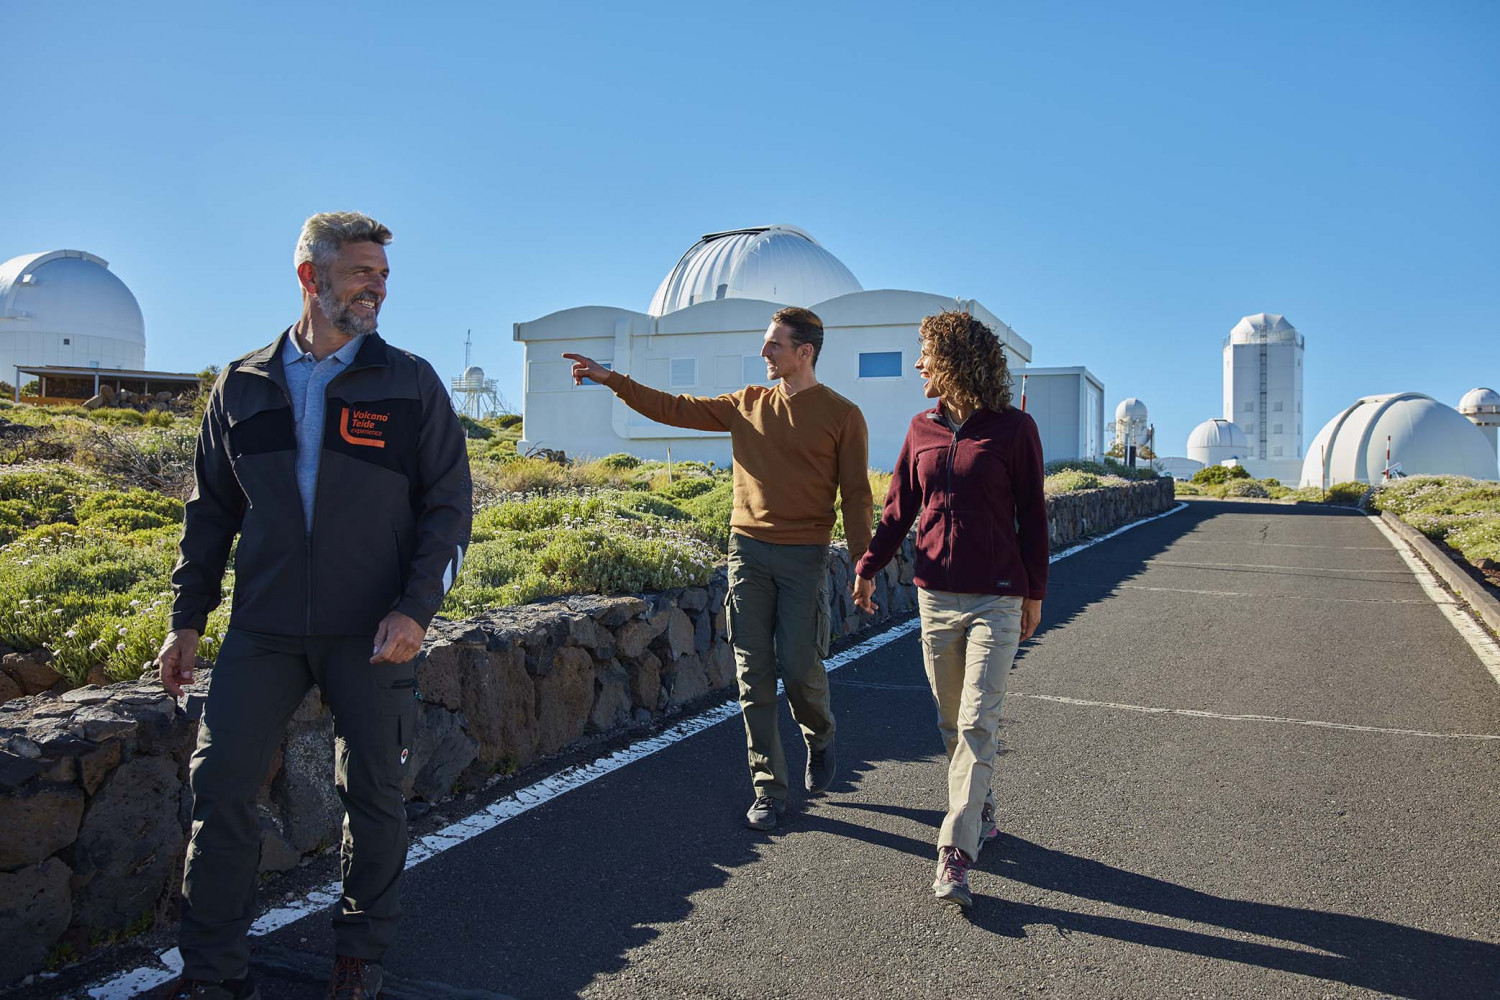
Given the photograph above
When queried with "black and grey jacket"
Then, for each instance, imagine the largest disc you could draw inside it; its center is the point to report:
(392, 507)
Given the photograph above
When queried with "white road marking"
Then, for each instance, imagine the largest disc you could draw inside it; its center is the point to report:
(1277, 597)
(1279, 545)
(1202, 714)
(1284, 569)
(136, 981)
(1484, 645)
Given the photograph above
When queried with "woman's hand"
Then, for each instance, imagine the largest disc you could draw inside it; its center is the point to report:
(1031, 617)
(863, 591)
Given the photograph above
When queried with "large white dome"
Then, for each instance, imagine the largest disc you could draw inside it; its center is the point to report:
(775, 263)
(1427, 438)
(65, 307)
(1217, 440)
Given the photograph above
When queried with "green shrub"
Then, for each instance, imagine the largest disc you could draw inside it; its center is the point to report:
(167, 509)
(505, 422)
(712, 511)
(159, 418)
(1070, 481)
(473, 429)
(686, 489)
(49, 494)
(110, 415)
(619, 461)
(1478, 540)
(12, 520)
(1108, 467)
(1218, 475)
(1183, 488)
(1245, 488)
(1346, 494)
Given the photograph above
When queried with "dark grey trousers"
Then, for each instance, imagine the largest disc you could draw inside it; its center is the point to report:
(778, 623)
(258, 682)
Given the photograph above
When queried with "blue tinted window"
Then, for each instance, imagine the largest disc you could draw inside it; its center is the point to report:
(880, 364)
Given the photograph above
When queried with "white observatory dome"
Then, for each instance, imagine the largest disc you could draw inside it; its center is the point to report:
(1263, 328)
(1479, 404)
(1427, 438)
(472, 376)
(66, 308)
(775, 263)
(1217, 440)
(1131, 409)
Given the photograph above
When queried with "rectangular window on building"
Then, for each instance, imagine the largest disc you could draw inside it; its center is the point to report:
(753, 370)
(880, 364)
(1249, 406)
(595, 385)
(1276, 406)
(1249, 428)
(684, 373)
(1276, 451)
(1275, 428)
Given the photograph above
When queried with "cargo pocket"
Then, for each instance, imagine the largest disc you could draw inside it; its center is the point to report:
(399, 717)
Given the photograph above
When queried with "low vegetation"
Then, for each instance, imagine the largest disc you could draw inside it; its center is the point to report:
(91, 507)
(1457, 511)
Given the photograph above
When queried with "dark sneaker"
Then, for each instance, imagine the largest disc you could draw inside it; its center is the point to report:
(354, 979)
(952, 882)
(764, 813)
(988, 829)
(822, 765)
(210, 989)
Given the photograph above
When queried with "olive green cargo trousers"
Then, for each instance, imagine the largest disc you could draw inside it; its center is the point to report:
(257, 683)
(778, 623)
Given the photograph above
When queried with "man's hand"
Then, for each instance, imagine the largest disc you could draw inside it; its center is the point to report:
(398, 639)
(174, 664)
(1031, 617)
(587, 368)
(863, 591)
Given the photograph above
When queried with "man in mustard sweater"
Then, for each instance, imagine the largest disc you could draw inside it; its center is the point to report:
(797, 446)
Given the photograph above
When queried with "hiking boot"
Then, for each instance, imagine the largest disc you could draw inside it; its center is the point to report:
(952, 882)
(764, 813)
(988, 829)
(210, 989)
(821, 767)
(355, 979)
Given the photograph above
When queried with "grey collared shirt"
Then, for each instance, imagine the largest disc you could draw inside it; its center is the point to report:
(307, 378)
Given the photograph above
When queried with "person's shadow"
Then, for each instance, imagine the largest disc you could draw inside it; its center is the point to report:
(1358, 951)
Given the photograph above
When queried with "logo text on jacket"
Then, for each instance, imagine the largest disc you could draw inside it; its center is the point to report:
(363, 427)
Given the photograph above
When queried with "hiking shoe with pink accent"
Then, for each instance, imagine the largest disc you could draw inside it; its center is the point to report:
(988, 829)
(952, 882)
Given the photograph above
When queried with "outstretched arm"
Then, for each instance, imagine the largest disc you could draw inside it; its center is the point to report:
(704, 413)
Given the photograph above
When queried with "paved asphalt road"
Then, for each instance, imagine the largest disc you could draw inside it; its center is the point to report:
(1144, 854)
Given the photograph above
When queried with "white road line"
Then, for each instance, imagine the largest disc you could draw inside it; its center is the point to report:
(1201, 714)
(524, 800)
(1484, 645)
(1278, 545)
(1291, 569)
(1276, 597)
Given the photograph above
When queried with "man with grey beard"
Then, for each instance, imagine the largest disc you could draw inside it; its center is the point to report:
(338, 461)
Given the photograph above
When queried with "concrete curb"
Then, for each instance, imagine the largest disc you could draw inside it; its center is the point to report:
(1437, 557)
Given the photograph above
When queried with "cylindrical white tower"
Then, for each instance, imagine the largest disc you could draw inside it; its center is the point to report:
(1130, 423)
(1482, 407)
(1263, 385)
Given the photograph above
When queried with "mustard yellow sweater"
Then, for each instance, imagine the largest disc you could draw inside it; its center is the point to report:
(793, 454)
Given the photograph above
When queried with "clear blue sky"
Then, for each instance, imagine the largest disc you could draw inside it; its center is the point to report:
(1119, 182)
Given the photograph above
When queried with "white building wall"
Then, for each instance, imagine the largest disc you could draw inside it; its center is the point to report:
(1068, 407)
(1263, 394)
(703, 350)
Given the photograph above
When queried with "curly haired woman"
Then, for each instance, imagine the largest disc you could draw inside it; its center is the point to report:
(972, 467)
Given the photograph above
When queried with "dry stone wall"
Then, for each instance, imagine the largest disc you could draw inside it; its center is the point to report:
(94, 804)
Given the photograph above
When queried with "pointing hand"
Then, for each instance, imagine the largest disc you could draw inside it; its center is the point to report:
(587, 368)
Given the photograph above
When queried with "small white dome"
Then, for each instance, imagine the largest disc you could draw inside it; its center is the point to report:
(473, 375)
(1263, 328)
(775, 263)
(1427, 438)
(1131, 409)
(1217, 440)
(1478, 401)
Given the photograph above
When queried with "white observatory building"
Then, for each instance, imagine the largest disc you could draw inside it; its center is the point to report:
(1424, 438)
(1481, 407)
(1131, 422)
(1263, 391)
(702, 334)
(1217, 441)
(66, 308)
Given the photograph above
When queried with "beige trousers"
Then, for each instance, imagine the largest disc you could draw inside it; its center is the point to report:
(968, 644)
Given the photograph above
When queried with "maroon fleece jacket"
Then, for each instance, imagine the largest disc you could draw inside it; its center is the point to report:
(983, 527)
